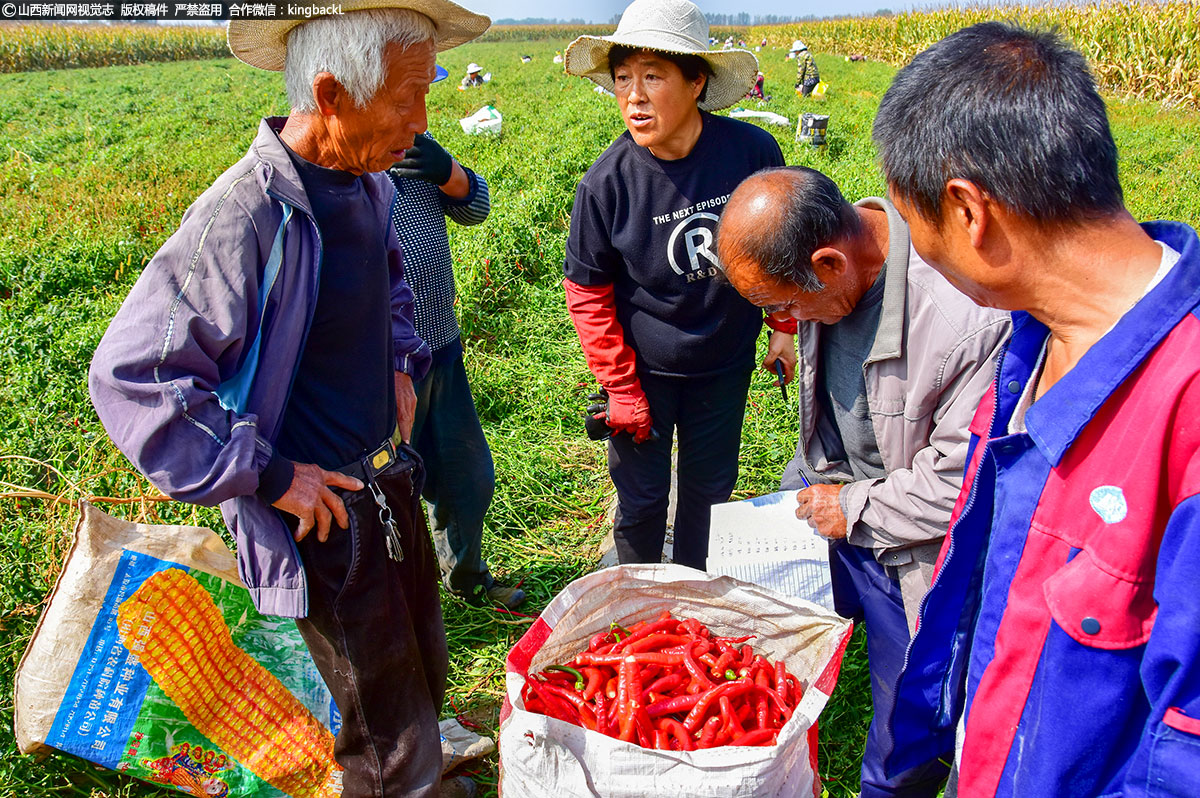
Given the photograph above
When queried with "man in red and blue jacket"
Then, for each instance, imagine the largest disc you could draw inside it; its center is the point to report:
(1058, 645)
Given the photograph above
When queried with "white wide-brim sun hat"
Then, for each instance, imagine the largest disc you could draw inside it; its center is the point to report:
(263, 43)
(666, 26)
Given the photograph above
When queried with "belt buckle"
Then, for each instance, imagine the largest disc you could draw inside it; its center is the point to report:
(381, 458)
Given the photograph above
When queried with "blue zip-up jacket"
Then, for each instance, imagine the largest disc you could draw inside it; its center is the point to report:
(1064, 620)
(193, 375)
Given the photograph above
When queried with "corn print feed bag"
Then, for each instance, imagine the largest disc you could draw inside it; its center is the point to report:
(150, 659)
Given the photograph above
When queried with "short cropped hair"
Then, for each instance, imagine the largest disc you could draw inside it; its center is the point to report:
(351, 47)
(812, 213)
(1013, 110)
(692, 66)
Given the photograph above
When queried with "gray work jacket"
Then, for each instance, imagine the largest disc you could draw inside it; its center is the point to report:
(932, 359)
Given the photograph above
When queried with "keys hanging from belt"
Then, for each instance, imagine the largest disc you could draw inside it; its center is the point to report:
(391, 533)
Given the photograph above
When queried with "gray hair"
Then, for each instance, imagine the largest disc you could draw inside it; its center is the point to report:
(351, 47)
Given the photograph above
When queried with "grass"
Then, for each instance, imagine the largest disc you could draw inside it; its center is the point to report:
(97, 167)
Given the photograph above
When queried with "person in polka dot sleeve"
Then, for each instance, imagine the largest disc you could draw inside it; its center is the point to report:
(431, 186)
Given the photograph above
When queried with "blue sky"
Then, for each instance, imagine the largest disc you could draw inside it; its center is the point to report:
(602, 10)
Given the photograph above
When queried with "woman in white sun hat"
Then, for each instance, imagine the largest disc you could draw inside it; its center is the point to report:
(672, 344)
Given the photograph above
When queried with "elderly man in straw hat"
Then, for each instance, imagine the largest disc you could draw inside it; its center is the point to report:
(673, 347)
(267, 353)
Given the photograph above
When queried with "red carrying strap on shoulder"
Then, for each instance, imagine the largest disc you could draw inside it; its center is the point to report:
(594, 311)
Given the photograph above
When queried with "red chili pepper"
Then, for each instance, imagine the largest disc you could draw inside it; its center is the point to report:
(747, 656)
(610, 687)
(678, 733)
(761, 711)
(665, 684)
(555, 707)
(722, 664)
(781, 682)
(772, 698)
(595, 680)
(757, 737)
(624, 705)
(602, 724)
(654, 642)
(728, 716)
(660, 740)
(795, 691)
(645, 728)
(614, 660)
(711, 727)
(570, 696)
(695, 671)
(670, 706)
(692, 721)
(660, 625)
(733, 641)
(567, 670)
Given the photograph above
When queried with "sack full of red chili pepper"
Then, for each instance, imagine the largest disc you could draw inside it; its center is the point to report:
(660, 680)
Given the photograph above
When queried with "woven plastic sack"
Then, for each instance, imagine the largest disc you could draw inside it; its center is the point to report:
(541, 757)
(486, 121)
(150, 659)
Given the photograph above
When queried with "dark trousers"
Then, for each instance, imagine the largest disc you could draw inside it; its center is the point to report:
(374, 629)
(460, 476)
(706, 413)
(864, 590)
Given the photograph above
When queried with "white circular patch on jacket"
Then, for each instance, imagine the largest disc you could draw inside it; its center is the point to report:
(1109, 503)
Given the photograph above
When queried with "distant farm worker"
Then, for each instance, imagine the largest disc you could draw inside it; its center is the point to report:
(459, 475)
(474, 76)
(893, 362)
(267, 353)
(756, 91)
(673, 347)
(807, 76)
(1061, 637)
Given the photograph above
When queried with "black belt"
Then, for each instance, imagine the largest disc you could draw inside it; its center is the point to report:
(365, 470)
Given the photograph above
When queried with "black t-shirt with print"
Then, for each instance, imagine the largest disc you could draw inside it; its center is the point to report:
(648, 227)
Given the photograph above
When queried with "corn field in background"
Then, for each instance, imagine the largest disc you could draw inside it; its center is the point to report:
(28, 48)
(1146, 50)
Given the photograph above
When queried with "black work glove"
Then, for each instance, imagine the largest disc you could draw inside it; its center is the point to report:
(426, 160)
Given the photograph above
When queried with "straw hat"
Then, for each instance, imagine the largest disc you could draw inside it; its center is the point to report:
(472, 68)
(798, 46)
(668, 26)
(263, 43)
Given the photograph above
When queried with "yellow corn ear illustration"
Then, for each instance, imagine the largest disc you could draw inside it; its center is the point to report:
(173, 626)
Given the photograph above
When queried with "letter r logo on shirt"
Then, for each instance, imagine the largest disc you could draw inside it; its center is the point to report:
(693, 238)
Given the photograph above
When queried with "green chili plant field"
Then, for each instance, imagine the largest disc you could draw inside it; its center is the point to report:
(98, 165)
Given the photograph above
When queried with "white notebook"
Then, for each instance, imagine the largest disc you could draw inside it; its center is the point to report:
(760, 540)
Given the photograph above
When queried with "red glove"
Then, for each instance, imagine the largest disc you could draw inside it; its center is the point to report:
(629, 411)
(594, 311)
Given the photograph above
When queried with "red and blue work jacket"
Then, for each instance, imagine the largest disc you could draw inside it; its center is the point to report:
(1064, 619)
